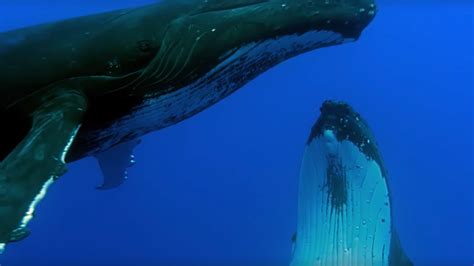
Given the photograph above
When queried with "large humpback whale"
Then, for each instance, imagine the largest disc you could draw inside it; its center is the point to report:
(344, 206)
(93, 85)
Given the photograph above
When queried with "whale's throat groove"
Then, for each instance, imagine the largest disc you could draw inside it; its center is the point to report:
(344, 207)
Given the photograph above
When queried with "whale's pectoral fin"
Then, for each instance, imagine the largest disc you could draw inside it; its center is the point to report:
(37, 161)
(397, 254)
(293, 243)
(115, 162)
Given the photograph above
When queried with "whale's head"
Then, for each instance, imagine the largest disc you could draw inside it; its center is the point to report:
(344, 201)
(260, 33)
(262, 19)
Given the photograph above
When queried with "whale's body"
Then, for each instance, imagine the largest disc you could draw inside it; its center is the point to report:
(344, 209)
(93, 85)
(147, 68)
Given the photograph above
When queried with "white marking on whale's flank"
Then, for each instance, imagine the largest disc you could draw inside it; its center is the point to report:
(244, 64)
(356, 232)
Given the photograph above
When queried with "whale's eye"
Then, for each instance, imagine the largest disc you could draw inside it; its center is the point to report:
(146, 46)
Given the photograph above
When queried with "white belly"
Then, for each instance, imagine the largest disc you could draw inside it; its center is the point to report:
(350, 227)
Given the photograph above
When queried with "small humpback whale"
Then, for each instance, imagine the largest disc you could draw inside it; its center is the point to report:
(93, 85)
(344, 206)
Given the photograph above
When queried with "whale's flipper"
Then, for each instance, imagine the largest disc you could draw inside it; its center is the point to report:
(37, 160)
(115, 162)
(344, 206)
(397, 255)
(293, 243)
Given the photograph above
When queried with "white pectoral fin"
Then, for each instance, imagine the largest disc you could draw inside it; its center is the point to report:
(38, 160)
(115, 163)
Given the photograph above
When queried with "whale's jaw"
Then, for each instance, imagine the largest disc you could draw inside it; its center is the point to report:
(344, 212)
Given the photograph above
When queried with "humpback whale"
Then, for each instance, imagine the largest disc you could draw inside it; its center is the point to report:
(92, 85)
(344, 206)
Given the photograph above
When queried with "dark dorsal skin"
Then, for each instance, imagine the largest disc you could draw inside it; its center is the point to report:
(82, 86)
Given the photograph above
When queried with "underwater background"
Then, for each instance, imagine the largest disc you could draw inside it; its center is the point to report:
(221, 188)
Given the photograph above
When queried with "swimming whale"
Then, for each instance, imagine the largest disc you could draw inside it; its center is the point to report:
(92, 85)
(344, 206)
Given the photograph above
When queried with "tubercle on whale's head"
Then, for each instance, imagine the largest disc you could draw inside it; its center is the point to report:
(346, 124)
(282, 17)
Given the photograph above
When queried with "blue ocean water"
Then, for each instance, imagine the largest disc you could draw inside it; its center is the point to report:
(221, 188)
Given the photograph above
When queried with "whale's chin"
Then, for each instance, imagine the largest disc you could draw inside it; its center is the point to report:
(344, 206)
